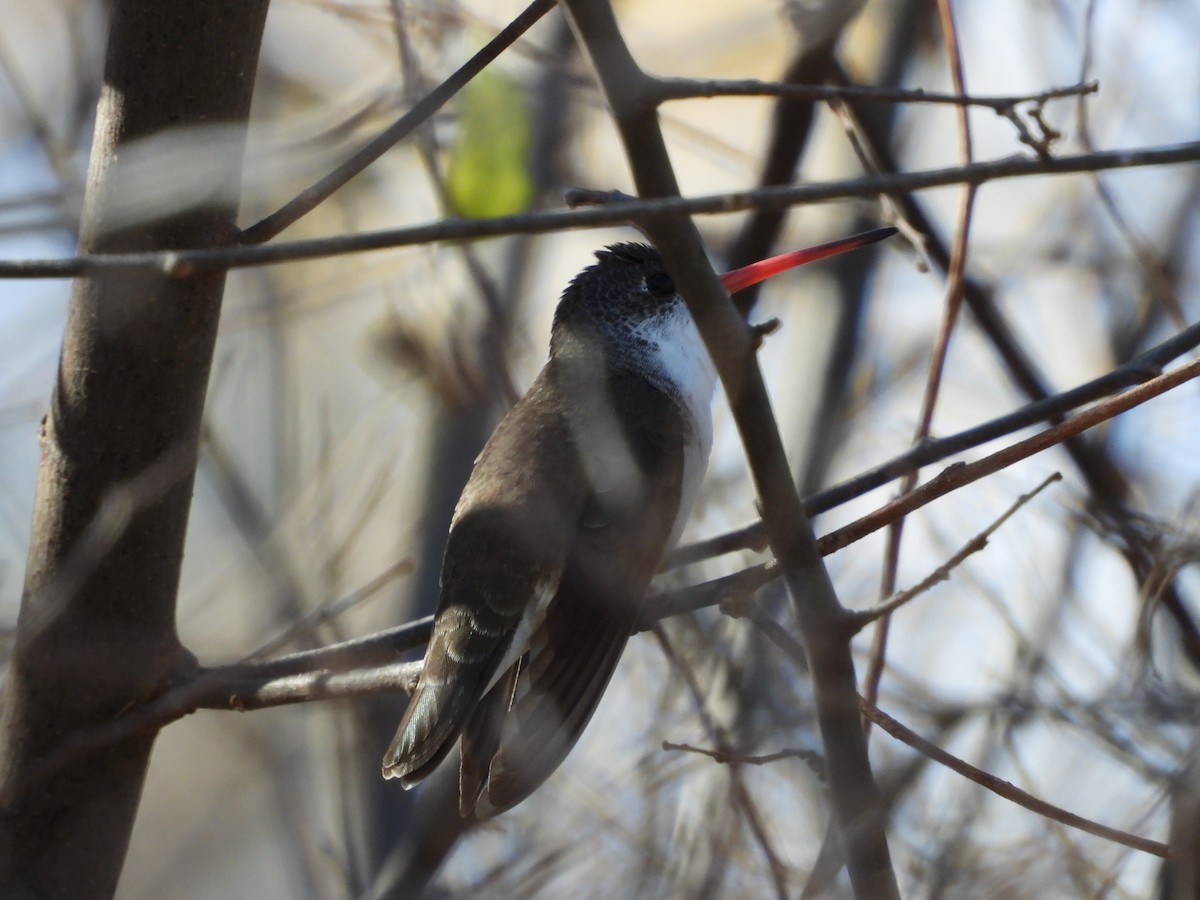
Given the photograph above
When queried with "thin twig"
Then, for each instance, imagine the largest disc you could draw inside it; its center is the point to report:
(942, 572)
(853, 792)
(812, 757)
(741, 793)
(689, 88)
(961, 474)
(334, 608)
(1008, 790)
(330, 672)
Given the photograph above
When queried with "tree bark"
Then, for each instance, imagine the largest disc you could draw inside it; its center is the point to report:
(96, 631)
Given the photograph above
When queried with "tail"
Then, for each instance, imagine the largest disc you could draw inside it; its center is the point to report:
(432, 723)
(549, 701)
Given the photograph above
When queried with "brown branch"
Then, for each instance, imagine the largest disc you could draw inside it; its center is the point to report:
(183, 262)
(1104, 479)
(792, 121)
(1009, 791)
(955, 287)
(741, 793)
(1106, 483)
(952, 478)
(327, 612)
(329, 671)
(853, 792)
(357, 668)
(961, 474)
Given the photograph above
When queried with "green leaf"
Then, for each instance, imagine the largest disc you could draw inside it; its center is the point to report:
(489, 162)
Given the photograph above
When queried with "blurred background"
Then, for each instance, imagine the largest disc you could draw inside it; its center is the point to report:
(350, 395)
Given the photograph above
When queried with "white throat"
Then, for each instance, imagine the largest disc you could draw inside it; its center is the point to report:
(678, 362)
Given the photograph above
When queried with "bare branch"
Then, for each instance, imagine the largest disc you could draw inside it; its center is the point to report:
(329, 672)
(327, 612)
(1008, 790)
(853, 792)
(741, 792)
(96, 632)
(961, 474)
(694, 88)
(955, 288)
(181, 262)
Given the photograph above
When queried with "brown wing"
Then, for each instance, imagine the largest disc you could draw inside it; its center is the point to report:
(573, 654)
(508, 543)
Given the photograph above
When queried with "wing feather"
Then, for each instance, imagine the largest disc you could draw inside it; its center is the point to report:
(573, 655)
(508, 542)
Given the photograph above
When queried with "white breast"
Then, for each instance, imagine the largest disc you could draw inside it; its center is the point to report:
(681, 365)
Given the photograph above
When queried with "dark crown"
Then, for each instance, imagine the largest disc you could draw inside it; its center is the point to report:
(626, 284)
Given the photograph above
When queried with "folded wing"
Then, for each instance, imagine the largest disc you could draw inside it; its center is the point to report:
(552, 692)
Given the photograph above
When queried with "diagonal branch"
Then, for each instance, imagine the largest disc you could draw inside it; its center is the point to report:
(854, 794)
(961, 474)
(1008, 790)
(942, 572)
(1142, 368)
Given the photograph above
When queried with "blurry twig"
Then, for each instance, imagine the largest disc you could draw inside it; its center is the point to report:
(1164, 292)
(381, 648)
(853, 793)
(741, 793)
(955, 288)
(334, 608)
(307, 200)
(812, 757)
(366, 666)
(959, 474)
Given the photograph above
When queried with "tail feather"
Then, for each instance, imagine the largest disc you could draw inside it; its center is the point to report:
(481, 737)
(431, 724)
(559, 684)
(544, 729)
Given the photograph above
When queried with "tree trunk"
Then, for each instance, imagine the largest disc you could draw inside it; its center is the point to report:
(96, 631)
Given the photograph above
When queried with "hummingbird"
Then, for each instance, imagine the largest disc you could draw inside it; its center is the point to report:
(579, 492)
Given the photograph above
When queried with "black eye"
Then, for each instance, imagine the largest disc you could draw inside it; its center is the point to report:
(660, 285)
